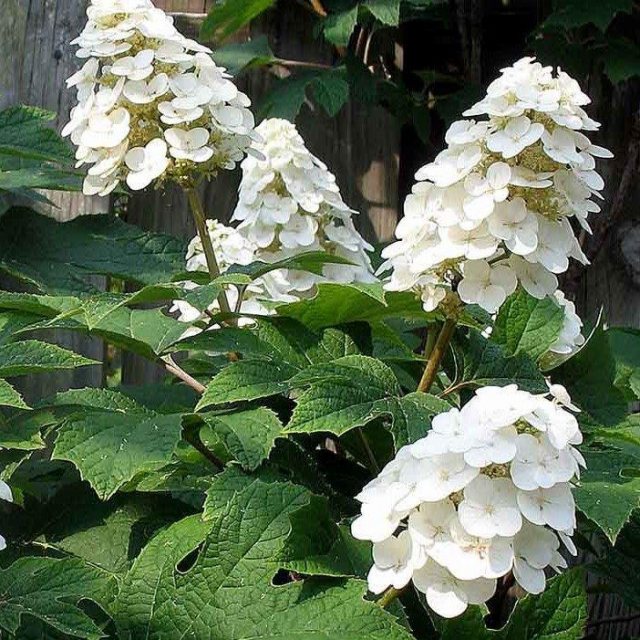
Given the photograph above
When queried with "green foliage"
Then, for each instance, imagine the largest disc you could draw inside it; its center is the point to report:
(59, 257)
(109, 448)
(237, 57)
(50, 590)
(573, 13)
(559, 613)
(233, 573)
(227, 17)
(528, 325)
(32, 155)
(248, 435)
(34, 356)
(485, 363)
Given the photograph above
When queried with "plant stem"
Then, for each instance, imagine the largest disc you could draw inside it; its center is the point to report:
(180, 373)
(318, 7)
(193, 438)
(437, 354)
(375, 467)
(302, 64)
(200, 219)
(388, 597)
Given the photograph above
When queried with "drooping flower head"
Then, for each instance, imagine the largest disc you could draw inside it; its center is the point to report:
(487, 491)
(496, 208)
(152, 104)
(289, 203)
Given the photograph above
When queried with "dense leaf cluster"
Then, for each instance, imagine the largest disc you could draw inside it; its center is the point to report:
(161, 513)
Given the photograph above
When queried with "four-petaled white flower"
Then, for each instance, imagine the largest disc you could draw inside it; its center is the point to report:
(554, 506)
(146, 163)
(485, 192)
(490, 508)
(448, 596)
(518, 134)
(394, 562)
(486, 285)
(189, 145)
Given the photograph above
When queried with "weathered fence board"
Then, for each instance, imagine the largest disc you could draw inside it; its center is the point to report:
(34, 38)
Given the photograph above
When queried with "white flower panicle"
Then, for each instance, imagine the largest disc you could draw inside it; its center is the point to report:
(487, 491)
(494, 208)
(290, 203)
(231, 248)
(6, 495)
(152, 104)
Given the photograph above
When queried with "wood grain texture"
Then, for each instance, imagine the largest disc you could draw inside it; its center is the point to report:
(35, 39)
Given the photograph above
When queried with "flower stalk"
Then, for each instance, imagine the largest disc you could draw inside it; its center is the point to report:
(200, 219)
(437, 354)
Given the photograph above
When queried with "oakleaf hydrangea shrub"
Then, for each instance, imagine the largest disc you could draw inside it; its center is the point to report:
(439, 436)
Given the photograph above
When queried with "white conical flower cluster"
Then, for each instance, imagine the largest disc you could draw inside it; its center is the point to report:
(152, 104)
(231, 248)
(494, 208)
(7, 496)
(487, 491)
(290, 203)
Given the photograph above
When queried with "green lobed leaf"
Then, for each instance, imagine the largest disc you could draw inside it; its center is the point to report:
(50, 591)
(108, 535)
(342, 395)
(248, 435)
(412, 419)
(352, 391)
(229, 589)
(590, 377)
(59, 257)
(339, 26)
(609, 489)
(286, 97)
(34, 356)
(224, 19)
(331, 91)
(621, 565)
(236, 57)
(26, 132)
(575, 13)
(341, 303)
(621, 60)
(527, 325)
(22, 431)
(110, 448)
(282, 348)
(387, 11)
(10, 397)
(558, 613)
(486, 363)
(13, 322)
(148, 332)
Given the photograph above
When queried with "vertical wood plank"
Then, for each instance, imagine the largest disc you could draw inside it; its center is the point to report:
(35, 38)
